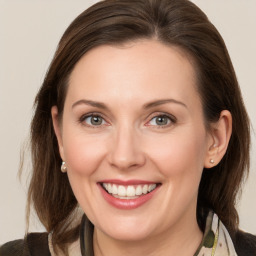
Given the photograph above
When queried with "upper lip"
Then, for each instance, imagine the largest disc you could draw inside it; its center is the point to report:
(127, 182)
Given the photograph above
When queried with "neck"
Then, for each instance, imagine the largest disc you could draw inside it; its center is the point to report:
(183, 239)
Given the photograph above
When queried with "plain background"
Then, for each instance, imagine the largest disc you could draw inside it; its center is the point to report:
(30, 30)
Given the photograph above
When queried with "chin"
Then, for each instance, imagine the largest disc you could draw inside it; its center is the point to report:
(128, 235)
(127, 230)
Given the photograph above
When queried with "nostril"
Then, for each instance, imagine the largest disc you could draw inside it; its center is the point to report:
(125, 152)
(127, 161)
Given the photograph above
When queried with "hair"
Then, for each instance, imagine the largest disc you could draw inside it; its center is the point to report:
(178, 23)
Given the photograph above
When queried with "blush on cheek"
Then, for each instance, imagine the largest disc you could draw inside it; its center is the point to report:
(179, 156)
(82, 160)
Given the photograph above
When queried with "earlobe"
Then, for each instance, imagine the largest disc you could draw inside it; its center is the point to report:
(220, 135)
(57, 129)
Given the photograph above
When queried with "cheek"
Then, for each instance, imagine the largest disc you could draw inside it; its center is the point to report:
(83, 153)
(180, 159)
(180, 153)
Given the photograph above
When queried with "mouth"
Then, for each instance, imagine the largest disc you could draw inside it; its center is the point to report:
(127, 195)
(128, 191)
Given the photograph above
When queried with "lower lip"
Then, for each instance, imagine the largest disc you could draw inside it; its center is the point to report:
(127, 204)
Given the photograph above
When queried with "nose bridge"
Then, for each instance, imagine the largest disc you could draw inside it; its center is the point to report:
(126, 150)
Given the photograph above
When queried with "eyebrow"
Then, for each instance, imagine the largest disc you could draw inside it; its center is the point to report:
(90, 103)
(145, 106)
(161, 102)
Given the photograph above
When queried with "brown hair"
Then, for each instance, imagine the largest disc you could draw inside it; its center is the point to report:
(173, 22)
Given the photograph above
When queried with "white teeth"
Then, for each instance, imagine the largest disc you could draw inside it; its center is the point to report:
(121, 191)
(145, 189)
(128, 192)
(138, 191)
(151, 187)
(109, 189)
(125, 197)
(114, 189)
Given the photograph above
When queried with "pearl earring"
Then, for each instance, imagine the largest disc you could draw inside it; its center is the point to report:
(63, 167)
(211, 161)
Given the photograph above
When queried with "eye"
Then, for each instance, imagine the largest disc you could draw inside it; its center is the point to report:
(161, 120)
(93, 120)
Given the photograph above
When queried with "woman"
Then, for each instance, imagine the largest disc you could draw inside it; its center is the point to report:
(142, 113)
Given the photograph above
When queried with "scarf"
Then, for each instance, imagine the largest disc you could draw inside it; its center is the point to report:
(216, 240)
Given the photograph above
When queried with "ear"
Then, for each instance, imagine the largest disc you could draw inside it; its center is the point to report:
(57, 129)
(218, 143)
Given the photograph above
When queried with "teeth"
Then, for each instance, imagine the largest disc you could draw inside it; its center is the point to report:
(121, 191)
(128, 192)
(151, 187)
(114, 190)
(109, 189)
(145, 189)
(125, 197)
(138, 191)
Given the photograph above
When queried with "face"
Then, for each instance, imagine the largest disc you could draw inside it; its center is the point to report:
(133, 139)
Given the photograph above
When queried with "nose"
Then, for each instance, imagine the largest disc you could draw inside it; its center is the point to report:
(126, 151)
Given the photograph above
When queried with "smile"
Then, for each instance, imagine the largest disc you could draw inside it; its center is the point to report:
(128, 192)
(128, 195)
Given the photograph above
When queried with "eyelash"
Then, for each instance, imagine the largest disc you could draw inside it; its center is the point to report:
(172, 120)
(91, 115)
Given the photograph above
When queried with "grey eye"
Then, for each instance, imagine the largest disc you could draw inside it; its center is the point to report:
(94, 120)
(160, 120)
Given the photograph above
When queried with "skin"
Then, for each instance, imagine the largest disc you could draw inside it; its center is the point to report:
(130, 144)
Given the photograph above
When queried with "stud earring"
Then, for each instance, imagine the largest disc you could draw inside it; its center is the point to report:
(63, 167)
(211, 161)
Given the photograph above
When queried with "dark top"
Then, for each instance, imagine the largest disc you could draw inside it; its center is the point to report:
(36, 244)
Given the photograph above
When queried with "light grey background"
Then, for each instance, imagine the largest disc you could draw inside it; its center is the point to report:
(30, 30)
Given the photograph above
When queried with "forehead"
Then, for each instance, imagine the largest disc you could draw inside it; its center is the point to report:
(137, 70)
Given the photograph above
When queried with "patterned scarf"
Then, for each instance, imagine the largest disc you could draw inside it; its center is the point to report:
(216, 240)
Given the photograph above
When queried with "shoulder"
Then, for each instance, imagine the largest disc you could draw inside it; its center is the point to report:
(12, 248)
(32, 244)
(245, 244)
